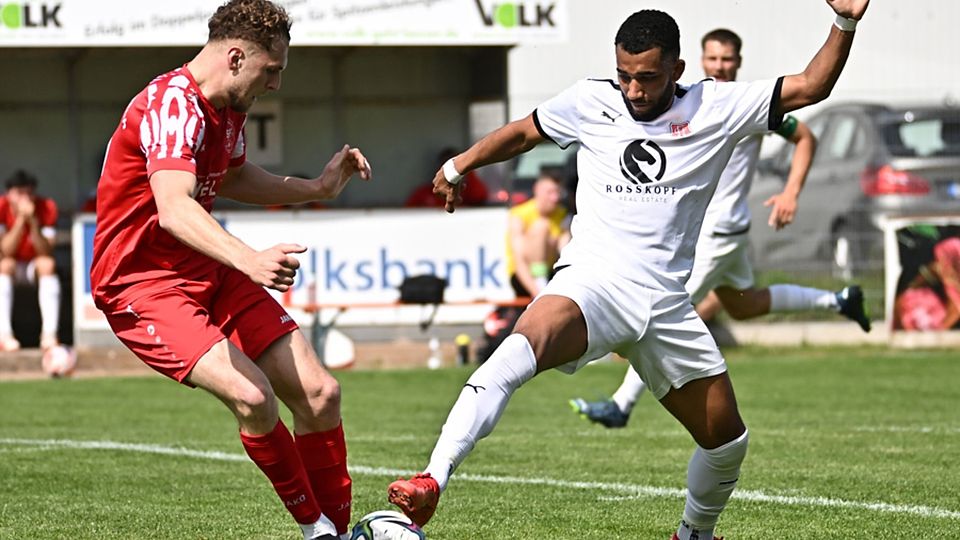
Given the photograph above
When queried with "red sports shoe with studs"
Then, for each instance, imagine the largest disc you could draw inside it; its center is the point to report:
(416, 497)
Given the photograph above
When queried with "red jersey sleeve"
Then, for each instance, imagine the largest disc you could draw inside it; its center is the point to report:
(171, 132)
(239, 155)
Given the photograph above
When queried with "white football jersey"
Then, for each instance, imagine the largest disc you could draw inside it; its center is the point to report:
(728, 212)
(644, 186)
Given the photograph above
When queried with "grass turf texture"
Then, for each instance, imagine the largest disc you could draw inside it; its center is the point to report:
(854, 425)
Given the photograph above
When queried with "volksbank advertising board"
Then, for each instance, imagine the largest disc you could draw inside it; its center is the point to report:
(85, 23)
(357, 257)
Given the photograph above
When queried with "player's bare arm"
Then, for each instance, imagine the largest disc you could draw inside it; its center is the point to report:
(520, 263)
(818, 79)
(784, 204)
(27, 209)
(183, 217)
(249, 183)
(502, 144)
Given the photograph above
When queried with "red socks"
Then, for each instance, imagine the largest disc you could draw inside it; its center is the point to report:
(276, 455)
(324, 456)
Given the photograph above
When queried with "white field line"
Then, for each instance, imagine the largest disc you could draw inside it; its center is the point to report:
(627, 491)
(907, 429)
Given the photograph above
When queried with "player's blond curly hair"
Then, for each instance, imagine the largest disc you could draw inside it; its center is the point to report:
(257, 21)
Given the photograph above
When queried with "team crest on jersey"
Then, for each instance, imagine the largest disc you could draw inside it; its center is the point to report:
(679, 130)
(229, 136)
(643, 162)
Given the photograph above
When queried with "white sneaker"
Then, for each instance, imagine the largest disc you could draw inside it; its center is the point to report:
(9, 344)
(48, 341)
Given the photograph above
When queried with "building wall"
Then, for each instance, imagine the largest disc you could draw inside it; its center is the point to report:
(400, 105)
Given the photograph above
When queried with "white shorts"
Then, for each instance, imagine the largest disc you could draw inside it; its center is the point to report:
(720, 261)
(657, 331)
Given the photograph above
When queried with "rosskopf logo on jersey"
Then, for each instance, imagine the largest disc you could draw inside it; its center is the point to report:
(642, 160)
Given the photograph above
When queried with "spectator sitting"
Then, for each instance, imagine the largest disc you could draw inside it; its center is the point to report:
(536, 232)
(27, 232)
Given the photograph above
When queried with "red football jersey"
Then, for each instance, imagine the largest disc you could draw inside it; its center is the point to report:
(46, 212)
(169, 125)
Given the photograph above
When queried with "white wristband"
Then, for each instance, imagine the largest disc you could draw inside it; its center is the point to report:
(845, 24)
(450, 172)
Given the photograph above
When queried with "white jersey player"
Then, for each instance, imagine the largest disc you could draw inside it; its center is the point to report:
(651, 153)
(722, 264)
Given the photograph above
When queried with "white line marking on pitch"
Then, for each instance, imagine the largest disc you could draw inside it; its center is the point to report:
(907, 429)
(630, 491)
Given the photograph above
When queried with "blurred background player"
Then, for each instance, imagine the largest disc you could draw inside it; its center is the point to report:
(722, 277)
(27, 233)
(536, 232)
(651, 152)
(187, 297)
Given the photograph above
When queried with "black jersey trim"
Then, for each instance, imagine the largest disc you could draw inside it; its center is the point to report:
(775, 119)
(611, 82)
(536, 122)
(723, 234)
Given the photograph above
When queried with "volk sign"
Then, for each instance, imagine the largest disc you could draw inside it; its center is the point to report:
(316, 22)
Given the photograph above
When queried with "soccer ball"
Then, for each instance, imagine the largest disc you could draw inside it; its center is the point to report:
(59, 361)
(386, 525)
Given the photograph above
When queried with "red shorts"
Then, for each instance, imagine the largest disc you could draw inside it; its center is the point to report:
(170, 330)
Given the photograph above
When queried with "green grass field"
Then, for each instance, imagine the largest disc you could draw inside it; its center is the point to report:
(845, 443)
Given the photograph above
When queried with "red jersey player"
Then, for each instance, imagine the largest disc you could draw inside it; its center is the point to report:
(187, 297)
(27, 230)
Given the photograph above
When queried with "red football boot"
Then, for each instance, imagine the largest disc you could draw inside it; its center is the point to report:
(416, 497)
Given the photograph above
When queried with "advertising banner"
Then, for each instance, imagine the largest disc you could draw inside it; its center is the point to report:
(923, 273)
(84, 23)
(357, 257)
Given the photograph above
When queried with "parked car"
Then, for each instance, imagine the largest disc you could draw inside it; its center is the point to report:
(872, 161)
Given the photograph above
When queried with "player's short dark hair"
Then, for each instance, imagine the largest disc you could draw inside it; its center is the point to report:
(21, 179)
(727, 37)
(648, 29)
(257, 21)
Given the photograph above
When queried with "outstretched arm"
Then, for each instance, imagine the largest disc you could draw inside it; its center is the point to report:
(818, 79)
(511, 140)
(182, 216)
(785, 203)
(251, 184)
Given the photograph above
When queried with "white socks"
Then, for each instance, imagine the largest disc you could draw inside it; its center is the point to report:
(48, 293)
(711, 477)
(481, 402)
(797, 298)
(48, 296)
(6, 305)
(629, 391)
(320, 528)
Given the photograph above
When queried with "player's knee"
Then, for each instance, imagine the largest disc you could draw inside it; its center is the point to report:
(8, 265)
(254, 404)
(45, 265)
(322, 402)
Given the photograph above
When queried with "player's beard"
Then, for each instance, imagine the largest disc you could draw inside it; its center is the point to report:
(240, 103)
(659, 107)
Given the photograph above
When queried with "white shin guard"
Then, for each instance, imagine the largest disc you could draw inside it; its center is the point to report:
(711, 477)
(6, 304)
(481, 402)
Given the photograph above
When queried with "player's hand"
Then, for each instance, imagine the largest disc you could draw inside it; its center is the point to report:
(783, 211)
(26, 206)
(341, 167)
(851, 9)
(449, 192)
(275, 267)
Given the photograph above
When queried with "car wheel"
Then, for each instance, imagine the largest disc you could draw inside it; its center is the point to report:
(845, 253)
